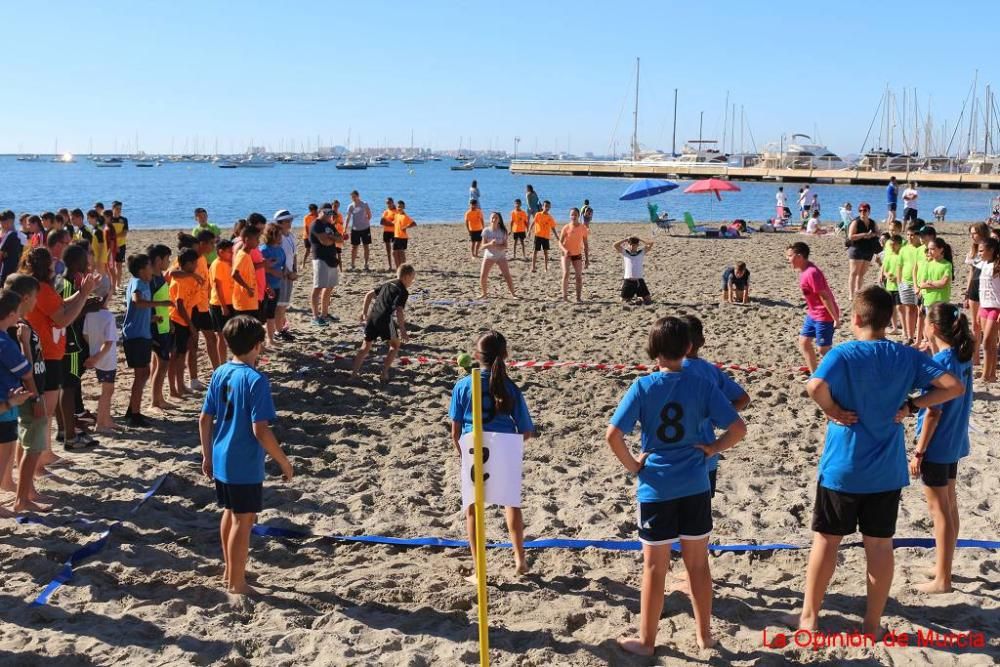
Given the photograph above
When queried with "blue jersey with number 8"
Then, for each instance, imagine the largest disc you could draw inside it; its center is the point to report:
(671, 407)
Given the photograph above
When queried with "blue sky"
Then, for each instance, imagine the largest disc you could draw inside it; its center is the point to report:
(557, 74)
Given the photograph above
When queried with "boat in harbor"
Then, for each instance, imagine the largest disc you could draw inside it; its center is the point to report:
(255, 162)
(885, 160)
(379, 161)
(352, 164)
(108, 162)
(800, 153)
(467, 166)
(501, 164)
(27, 158)
(145, 164)
(412, 159)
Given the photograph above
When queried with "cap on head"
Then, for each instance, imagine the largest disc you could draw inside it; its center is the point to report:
(282, 216)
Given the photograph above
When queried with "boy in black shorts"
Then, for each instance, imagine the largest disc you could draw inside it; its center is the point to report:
(235, 432)
(863, 387)
(383, 316)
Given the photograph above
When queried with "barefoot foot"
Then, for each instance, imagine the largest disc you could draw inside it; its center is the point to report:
(29, 506)
(634, 646)
(934, 587)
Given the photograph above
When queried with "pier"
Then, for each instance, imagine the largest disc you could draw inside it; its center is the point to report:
(630, 169)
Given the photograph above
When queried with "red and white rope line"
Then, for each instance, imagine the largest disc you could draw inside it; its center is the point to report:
(545, 365)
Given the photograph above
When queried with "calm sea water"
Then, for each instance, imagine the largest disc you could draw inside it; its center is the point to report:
(165, 197)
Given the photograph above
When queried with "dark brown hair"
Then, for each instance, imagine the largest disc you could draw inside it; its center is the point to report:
(668, 338)
(873, 305)
(953, 326)
(492, 347)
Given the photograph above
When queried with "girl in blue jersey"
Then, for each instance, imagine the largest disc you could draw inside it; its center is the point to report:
(943, 436)
(675, 502)
(504, 411)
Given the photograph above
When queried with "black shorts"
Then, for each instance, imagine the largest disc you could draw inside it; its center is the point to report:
(860, 253)
(163, 345)
(895, 297)
(388, 236)
(8, 431)
(892, 206)
(240, 498)
(575, 258)
(219, 317)
(53, 375)
(106, 377)
(841, 513)
(388, 331)
(270, 304)
(72, 368)
(476, 237)
(972, 294)
(713, 475)
(909, 214)
(520, 236)
(399, 244)
(202, 320)
(634, 288)
(250, 313)
(307, 243)
(138, 352)
(359, 236)
(937, 474)
(665, 522)
(182, 337)
(541, 244)
(120, 258)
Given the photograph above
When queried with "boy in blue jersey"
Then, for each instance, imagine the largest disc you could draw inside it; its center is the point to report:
(504, 411)
(863, 387)
(674, 493)
(137, 337)
(943, 436)
(235, 434)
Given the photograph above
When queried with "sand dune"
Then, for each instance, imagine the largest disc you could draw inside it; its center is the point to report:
(379, 462)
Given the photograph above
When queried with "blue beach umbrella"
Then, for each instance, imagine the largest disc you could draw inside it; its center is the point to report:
(647, 187)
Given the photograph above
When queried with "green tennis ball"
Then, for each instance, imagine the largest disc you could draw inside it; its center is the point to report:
(464, 360)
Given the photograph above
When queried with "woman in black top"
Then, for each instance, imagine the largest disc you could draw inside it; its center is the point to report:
(862, 245)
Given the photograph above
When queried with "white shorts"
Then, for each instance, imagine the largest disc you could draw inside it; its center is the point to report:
(285, 293)
(324, 275)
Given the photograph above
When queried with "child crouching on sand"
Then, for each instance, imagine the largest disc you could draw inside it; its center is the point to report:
(633, 251)
(504, 411)
(384, 318)
(736, 283)
(675, 502)
(235, 434)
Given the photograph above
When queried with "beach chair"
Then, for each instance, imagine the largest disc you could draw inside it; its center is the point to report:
(693, 229)
(661, 222)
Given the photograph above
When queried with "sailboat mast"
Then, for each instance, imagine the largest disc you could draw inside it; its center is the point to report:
(635, 116)
(673, 141)
(725, 122)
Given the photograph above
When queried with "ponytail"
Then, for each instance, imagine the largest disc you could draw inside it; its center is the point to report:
(493, 354)
(953, 327)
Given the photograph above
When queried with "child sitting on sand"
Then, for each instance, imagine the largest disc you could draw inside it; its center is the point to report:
(674, 494)
(633, 251)
(235, 434)
(736, 283)
(383, 316)
(504, 411)
(860, 386)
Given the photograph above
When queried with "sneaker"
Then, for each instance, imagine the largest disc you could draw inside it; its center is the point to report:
(319, 321)
(331, 318)
(196, 385)
(81, 441)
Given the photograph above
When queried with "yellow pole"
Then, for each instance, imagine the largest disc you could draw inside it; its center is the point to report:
(477, 437)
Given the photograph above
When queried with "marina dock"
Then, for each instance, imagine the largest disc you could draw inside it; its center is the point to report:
(630, 169)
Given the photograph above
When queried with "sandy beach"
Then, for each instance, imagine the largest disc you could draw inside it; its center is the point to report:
(373, 461)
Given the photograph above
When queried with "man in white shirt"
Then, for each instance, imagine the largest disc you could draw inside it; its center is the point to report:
(359, 219)
(910, 196)
(633, 251)
(805, 196)
(781, 200)
(284, 220)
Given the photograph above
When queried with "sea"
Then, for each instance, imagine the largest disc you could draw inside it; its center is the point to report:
(165, 197)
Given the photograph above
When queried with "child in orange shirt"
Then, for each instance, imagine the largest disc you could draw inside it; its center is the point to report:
(220, 302)
(184, 293)
(543, 225)
(474, 223)
(519, 228)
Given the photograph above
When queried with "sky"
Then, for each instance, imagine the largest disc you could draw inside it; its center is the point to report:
(560, 75)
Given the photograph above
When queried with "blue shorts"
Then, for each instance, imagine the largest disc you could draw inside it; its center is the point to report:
(821, 331)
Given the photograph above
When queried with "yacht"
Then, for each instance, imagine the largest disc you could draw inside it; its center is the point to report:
(467, 166)
(412, 159)
(379, 161)
(352, 163)
(108, 162)
(255, 162)
(27, 158)
(983, 163)
(886, 160)
(800, 153)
